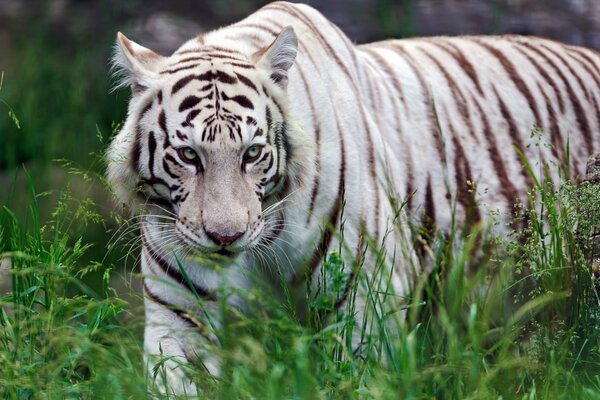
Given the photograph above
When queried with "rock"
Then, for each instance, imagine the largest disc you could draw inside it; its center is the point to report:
(592, 170)
(164, 32)
(5, 283)
(592, 177)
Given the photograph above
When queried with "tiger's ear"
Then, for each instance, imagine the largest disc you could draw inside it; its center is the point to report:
(278, 57)
(134, 65)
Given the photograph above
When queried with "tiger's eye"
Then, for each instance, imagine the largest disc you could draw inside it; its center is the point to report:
(188, 154)
(252, 152)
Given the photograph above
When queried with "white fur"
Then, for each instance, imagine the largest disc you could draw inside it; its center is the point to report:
(344, 93)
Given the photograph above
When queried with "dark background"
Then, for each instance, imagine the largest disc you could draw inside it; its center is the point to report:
(54, 56)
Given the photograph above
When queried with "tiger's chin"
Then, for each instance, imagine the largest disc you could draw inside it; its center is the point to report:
(225, 253)
(194, 246)
(196, 251)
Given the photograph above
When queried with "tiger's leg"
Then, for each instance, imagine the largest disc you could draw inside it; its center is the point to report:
(171, 343)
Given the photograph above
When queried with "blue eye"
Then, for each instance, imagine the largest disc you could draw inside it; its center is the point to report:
(188, 154)
(252, 153)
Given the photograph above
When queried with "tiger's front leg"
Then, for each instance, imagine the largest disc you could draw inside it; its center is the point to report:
(174, 343)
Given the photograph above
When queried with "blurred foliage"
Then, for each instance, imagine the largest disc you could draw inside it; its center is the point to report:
(396, 17)
(57, 84)
(60, 95)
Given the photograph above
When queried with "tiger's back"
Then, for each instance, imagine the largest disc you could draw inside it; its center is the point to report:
(441, 118)
(489, 95)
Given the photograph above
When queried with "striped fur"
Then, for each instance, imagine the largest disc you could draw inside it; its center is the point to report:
(334, 121)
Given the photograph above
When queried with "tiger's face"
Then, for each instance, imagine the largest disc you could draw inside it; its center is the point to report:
(209, 145)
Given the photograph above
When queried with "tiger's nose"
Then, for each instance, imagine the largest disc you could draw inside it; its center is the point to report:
(223, 238)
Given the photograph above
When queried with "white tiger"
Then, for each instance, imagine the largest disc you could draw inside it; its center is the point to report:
(251, 137)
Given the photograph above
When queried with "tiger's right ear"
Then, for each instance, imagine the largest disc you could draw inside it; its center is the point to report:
(134, 65)
(277, 58)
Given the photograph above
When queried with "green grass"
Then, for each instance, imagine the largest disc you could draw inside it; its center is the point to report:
(498, 317)
(58, 338)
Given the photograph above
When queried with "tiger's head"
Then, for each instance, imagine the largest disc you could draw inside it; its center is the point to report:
(207, 142)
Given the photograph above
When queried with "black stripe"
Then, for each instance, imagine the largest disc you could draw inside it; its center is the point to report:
(260, 27)
(173, 272)
(507, 188)
(156, 299)
(462, 103)
(162, 122)
(181, 135)
(461, 59)
(580, 115)
(277, 143)
(391, 75)
(316, 127)
(334, 215)
(228, 56)
(512, 73)
(428, 218)
(189, 102)
(206, 76)
(462, 170)
(166, 166)
(136, 149)
(544, 74)
(555, 135)
(263, 158)
(269, 118)
(188, 59)
(239, 65)
(513, 131)
(181, 83)
(246, 82)
(190, 117)
(183, 315)
(225, 78)
(158, 201)
(271, 160)
(573, 73)
(151, 151)
(285, 140)
(174, 70)
(584, 89)
(240, 99)
(155, 180)
(580, 51)
(137, 140)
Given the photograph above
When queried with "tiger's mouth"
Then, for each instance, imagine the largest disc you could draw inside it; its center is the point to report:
(226, 253)
(193, 240)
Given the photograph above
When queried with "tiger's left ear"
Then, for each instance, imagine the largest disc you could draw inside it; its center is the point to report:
(278, 57)
(134, 65)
